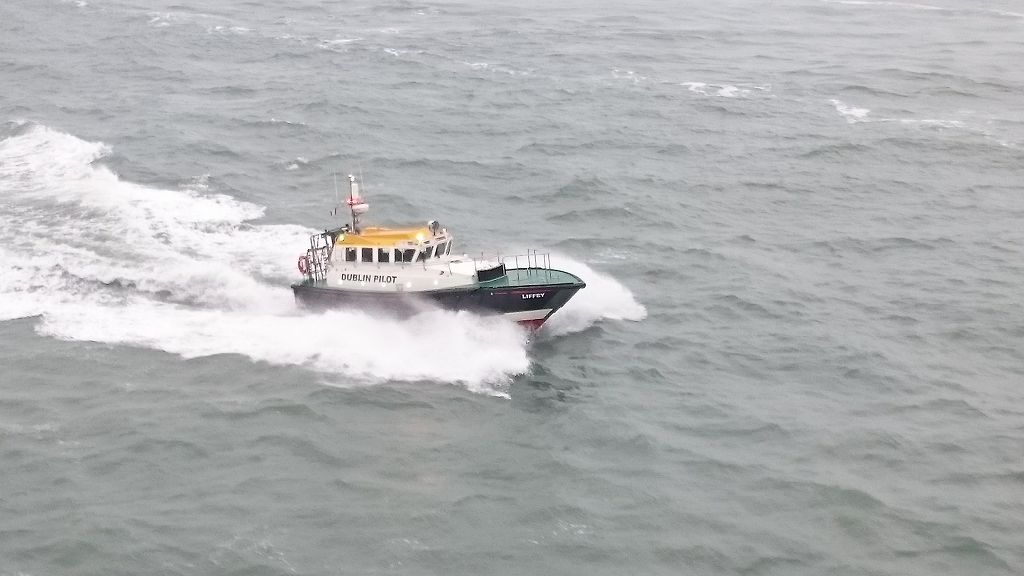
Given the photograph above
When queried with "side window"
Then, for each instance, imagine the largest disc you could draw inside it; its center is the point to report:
(383, 255)
(367, 254)
(449, 249)
(424, 254)
(440, 250)
(350, 254)
(408, 255)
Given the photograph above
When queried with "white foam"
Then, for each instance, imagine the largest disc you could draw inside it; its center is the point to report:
(696, 87)
(928, 7)
(495, 68)
(890, 4)
(482, 353)
(933, 122)
(105, 260)
(854, 115)
(726, 90)
(604, 298)
(298, 162)
(281, 121)
(159, 19)
(851, 113)
(221, 29)
(337, 44)
(292, 38)
(397, 53)
(630, 75)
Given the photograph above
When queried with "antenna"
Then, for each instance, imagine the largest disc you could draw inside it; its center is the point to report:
(337, 198)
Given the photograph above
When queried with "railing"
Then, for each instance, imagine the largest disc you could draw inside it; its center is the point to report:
(532, 263)
(318, 256)
(534, 260)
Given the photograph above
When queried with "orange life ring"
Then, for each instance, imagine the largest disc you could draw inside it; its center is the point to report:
(303, 265)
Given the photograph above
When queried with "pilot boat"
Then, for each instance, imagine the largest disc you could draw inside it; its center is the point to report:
(402, 270)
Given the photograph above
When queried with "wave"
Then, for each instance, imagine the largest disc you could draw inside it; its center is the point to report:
(490, 67)
(928, 7)
(890, 4)
(337, 44)
(854, 115)
(999, 131)
(727, 90)
(194, 274)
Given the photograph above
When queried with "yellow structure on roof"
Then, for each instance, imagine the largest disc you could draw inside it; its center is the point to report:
(385, 236)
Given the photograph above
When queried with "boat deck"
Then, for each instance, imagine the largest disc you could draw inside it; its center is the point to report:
(526, 277)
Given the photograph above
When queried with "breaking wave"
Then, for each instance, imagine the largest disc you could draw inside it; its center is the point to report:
(856, 115)
(726, 90)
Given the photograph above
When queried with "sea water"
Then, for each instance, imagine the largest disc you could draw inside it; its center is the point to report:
(799, 350)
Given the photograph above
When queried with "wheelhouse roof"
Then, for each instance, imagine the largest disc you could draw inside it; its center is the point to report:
(375, 236)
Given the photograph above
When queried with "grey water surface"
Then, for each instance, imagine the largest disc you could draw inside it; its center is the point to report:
(801, 349)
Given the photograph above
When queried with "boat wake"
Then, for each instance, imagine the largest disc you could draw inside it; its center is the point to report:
(191, 273)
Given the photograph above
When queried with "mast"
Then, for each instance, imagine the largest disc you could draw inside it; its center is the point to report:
(355, 202)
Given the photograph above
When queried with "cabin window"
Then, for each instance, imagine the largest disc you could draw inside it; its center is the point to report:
(367, 254)
(350, 254)
(383, 255)
(448, 250)
(425, 254)
(404, 255)
(440, 249)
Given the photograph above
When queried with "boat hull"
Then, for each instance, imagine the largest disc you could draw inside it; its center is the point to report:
(530, 306)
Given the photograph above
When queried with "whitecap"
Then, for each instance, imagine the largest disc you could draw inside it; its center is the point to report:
(889, 4)
(852, 114)
(220, 29)
(630, 75)
(934, 122)
(338, 44)
(730, 91)
(726, 90)
(159, 19)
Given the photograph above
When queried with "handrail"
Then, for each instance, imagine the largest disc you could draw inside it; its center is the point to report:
(535, 260)
(318, 256)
